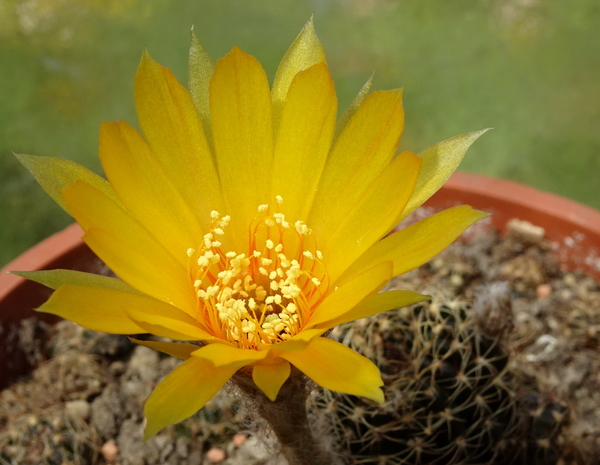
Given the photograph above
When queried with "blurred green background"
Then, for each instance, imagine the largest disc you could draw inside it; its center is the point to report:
(528, 68)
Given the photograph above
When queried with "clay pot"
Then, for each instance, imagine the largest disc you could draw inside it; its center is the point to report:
(573, 229)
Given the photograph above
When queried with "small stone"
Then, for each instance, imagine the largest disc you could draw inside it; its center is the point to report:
(216, 455)
(143, 364)
(110, 451)
(456, 280)
(570, 280)
(117, 368)
(78, 409)
(181, 447)
(525, 230)
(543, 291)
(239, 439)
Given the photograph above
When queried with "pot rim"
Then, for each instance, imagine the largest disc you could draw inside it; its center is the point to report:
(573, 229)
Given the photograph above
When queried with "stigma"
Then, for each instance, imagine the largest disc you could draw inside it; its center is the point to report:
(265, 294)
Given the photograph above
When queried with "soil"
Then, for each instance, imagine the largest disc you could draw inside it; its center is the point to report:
(83, 404)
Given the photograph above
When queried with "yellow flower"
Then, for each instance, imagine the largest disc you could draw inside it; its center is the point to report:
(247, 220)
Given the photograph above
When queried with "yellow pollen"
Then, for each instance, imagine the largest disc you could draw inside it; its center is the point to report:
(266, 294)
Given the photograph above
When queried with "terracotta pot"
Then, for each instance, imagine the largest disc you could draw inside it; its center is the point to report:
(573, 228)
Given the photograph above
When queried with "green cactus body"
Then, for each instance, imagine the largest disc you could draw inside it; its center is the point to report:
(451, 396)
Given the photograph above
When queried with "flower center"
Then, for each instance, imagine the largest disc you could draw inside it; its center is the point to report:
(266, 295)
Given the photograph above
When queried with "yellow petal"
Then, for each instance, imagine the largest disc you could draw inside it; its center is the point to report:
(336, 367)
(439, 162)
(361, 152)
(171, 125)
(297, 342)
(221, 355)
(179, 350)
(377, 303)
(145, 189)
(102, 309)
(240, 108)
(270, 377)
(374, 215)
(351, 293)
(305, 51)
(349, 112)
(54, 174)
(56, 278)
(182, 393)
(128, 249)
(169, 322)
(419, 243)
(200, 70)
(148, 272)
(304, 139)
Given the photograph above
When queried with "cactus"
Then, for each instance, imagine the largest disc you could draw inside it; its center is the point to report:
(451, 396)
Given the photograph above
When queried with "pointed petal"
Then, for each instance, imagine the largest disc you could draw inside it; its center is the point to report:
(419, 243)
(179, 350)
(128, 249)
(56, 278)
(200, 70)
(240, 108)
(349, 112)
(102, 309)
(221, 355)
(304, 139)
(145, 189)
(351, 293)
(169, 322)
(270, 377)
(54, 174)
(439, 162)
(361, 152)
(297, 342)
(159, 279)
(379, 208)
(336, 367)
(305, 51)
(377, 303)
(182, 393)
(169, 121)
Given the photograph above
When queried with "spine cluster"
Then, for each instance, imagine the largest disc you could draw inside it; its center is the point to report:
(451, 395)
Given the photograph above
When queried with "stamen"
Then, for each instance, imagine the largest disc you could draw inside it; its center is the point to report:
(266, 294)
